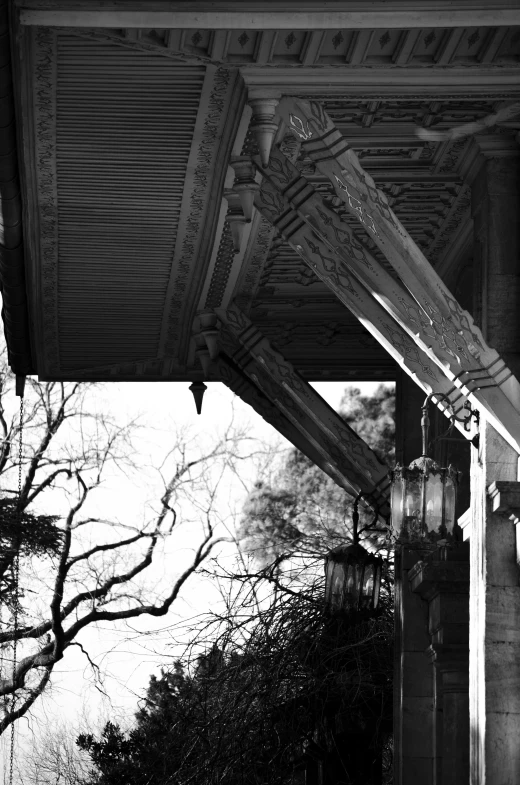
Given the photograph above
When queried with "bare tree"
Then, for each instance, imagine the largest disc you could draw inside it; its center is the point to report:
(94, 569)
(54, 759)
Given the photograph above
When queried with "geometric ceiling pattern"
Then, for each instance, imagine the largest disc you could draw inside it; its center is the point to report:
(389, 47)
(423, 180)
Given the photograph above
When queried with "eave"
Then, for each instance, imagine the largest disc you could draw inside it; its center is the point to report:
(12, 262)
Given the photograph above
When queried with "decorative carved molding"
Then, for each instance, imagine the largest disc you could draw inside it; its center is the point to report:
(473, 366)
(351, 455)
(372, 93)
(330, 249)
(422, 111)
(232, 375)
(141, 45)
(450, 159)
(505, 498)
(332, 51)
(459, 214)
(262, 234)
(222, 269)
(195, 205)
(254, 265)
(44, 76)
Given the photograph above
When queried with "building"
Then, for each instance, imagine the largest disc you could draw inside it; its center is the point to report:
(241, 191)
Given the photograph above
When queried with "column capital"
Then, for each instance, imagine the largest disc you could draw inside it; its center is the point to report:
(505, 497)
(484, 147)
(451, 657)
(428, 579)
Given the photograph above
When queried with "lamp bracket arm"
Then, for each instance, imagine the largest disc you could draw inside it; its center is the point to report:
(471, 414)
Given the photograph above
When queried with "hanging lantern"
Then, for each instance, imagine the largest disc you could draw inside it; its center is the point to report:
(352, 575)
(352, 579)
(423, 495)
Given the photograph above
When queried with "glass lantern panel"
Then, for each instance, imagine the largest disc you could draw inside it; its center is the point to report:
(449, 505)
(337, 586)
(353, 584)
(377, 586)
(434, 491)
(412, 508)
(367, 589)
(397, 505)
(329, 570)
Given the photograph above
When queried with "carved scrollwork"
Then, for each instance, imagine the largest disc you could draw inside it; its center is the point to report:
(200, 181)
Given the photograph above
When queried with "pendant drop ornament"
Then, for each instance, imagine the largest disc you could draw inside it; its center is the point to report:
(198, 389)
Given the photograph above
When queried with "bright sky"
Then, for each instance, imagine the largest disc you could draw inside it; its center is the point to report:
(126, 656)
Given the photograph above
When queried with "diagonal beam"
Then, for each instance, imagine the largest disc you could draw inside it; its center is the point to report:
(335, 268)
(337, 444)
(234, 377)
(476, 368)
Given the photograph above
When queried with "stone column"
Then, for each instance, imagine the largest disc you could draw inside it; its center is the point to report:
(413, 685)
(494, 666)
(494, 175)
(442, 580)
(452, 669)
(494, 618)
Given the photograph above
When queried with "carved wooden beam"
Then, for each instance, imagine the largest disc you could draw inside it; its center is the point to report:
(471, 364)
(344, 265)
(232, 375)
(342, 453)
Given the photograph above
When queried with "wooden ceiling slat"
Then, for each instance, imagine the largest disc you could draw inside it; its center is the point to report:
(124, 123)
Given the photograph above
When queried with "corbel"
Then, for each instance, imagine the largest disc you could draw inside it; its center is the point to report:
(505, 498)
(209, 331)
(235, 217)
(202, 354)
(206, 341)
(483, 147)
(264, 126)
(245, 184)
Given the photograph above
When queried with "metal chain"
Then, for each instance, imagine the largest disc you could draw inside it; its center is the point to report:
(16, 578)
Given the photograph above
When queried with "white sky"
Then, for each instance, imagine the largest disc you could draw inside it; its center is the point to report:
(128, 664)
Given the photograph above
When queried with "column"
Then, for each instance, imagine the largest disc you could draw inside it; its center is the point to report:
(442, 580)
(414, 740)
(495, 205)
(494, 618)
(494, 665)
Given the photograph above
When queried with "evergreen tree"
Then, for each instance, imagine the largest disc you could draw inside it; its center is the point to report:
(303, 512)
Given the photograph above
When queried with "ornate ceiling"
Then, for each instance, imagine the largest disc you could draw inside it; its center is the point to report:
(149, 154)
(425, 187)
(389, 47)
